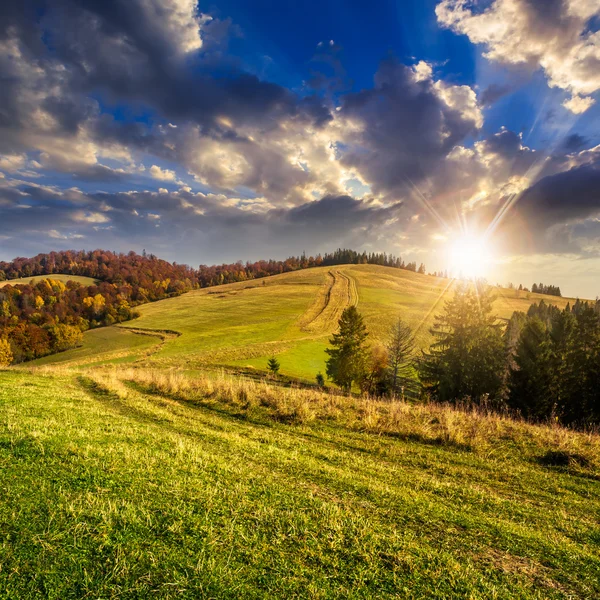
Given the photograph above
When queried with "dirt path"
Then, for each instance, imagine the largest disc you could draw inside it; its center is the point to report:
(338, 293)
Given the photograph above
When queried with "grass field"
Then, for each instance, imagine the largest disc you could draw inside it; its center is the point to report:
(134, 484)
(291, 316)
(134, 467)
(85, 281)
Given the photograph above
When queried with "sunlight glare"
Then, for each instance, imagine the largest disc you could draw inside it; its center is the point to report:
(469, 257)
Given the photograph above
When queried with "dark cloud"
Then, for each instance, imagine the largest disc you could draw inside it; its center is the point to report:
(408, 126)
(573, 143)
(493, 93)
(60, 56)
(207, 227)
(563, 197)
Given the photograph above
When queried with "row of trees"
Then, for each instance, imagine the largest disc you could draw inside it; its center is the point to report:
(150, 278)
(543, 364)
(550, 290)
(153, 279)
(230, 273)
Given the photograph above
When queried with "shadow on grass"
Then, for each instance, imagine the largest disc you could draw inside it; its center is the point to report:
(570, 463)
(439, 441)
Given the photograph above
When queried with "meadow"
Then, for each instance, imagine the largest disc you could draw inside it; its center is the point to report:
(292, 316)
(85, 281)
(143, 465)
(137, 483)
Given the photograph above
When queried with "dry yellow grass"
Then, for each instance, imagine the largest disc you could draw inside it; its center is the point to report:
(471, 428)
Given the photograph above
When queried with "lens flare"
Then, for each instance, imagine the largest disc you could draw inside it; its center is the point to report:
(469, 257)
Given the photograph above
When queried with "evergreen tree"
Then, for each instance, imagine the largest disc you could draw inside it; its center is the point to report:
(467, 357)
(348, 356)
(532, 383)
(273, 365)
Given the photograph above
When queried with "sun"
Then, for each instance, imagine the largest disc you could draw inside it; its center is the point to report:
(469, 256)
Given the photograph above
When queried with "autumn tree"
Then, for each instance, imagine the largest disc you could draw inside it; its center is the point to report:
(6, 355)
(348, 355)
(374, 380)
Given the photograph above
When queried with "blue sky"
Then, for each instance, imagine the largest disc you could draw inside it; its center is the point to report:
(233, 130)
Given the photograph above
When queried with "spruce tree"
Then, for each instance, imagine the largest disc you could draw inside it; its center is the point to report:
(532, 382)
(466, 360)
(273, 365)
(348, 356)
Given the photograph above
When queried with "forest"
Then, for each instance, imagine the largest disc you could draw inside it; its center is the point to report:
(37, 319)
(50, 316)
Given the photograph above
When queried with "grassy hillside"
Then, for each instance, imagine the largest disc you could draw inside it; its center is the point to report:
(136, 484)
(290, 315)
(86, 281)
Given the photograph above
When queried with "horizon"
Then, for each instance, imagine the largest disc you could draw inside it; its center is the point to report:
(208, 133)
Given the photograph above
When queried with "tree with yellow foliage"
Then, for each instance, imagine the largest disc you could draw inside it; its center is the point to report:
(6, 355)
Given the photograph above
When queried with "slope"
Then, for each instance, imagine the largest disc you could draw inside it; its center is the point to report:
(135, 486)
(290, 315)
(85, 281)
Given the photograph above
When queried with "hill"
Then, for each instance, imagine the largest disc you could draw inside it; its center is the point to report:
(291, 315)
(133, 483)
(56, 276)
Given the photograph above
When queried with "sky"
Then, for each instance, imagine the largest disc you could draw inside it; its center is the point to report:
(209, 132)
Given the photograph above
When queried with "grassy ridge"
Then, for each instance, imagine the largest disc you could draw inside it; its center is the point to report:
(292, 316)
(135, 484)
(85, 281)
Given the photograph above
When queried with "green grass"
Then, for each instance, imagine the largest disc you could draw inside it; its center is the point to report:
(85, 281)
(104, 346)
(288, 315)
(112, 489)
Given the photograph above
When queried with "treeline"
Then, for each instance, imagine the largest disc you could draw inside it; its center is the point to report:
(42, 318)
(550, 290)
(544, 364)
(150, 278)
(230, 273)
(37, 319)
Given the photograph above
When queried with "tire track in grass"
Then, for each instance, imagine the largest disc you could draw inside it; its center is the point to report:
(340, 293)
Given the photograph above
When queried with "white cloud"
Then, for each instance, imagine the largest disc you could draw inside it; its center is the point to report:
(553, 36)
(81, 216)
(162, 174)
(55, 234)
(12, 163)
(180, 20)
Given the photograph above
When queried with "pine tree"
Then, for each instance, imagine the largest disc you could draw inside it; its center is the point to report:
(273, 365)
(532, 382)
(348, 356)
(466, 359)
